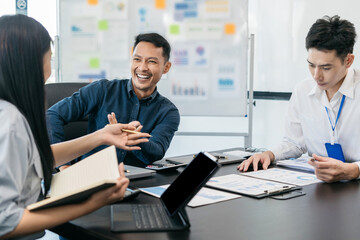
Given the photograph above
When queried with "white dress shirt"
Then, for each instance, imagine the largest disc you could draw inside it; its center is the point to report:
(307, 125)
(21, 171)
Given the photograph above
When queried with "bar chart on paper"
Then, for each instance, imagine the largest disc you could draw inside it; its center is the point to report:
(286, 176)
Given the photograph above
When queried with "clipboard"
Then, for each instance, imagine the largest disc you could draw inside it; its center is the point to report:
(253, 187)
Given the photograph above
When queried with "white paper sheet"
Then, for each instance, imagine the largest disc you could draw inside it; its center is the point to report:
(286, 176)
(204, 197)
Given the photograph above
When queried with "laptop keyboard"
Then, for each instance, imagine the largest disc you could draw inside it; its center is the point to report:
(150, 216)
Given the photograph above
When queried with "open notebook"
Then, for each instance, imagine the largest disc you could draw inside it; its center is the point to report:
(81, 180)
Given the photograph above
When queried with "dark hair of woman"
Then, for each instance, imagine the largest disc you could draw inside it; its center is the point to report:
(22, 49)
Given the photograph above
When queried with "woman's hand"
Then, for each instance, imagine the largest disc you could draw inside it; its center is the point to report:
(112, 194)
(113, 135)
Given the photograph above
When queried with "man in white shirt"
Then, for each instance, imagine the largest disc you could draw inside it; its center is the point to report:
(324, 112)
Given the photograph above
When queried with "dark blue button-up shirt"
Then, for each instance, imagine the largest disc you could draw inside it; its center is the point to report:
(159, 117)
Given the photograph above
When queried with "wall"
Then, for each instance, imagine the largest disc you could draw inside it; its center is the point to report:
(280, 27)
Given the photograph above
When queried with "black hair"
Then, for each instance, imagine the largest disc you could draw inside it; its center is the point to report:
(156, 39)
(332, 33)
(23, 44)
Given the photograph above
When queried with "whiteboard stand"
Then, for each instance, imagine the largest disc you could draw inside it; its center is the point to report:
(248, 139)
(57, 59)
(247, 135)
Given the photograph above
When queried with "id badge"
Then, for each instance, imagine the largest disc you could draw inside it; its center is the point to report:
(335, 151)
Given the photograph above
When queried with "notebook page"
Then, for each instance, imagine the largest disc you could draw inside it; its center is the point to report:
(93, 169)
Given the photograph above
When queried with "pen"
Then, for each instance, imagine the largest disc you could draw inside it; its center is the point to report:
(131, 131)
(127, 171)
(277, 190)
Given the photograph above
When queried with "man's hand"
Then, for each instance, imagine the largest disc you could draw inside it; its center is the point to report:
(264, 158)
(112, 120)
(333, 170)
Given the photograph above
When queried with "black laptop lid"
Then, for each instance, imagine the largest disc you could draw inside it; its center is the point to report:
(189, 182)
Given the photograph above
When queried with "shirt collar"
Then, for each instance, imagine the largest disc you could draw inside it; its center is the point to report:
(131, 91)
(346, 88)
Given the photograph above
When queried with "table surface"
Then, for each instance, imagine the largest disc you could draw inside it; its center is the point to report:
(327, 211)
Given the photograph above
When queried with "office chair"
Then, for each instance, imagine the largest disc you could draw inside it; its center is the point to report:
(58, 91)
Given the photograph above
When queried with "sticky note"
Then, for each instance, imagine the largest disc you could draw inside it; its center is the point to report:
(160, 4)
(93, 2)
(230, 28)
(103, 25)
(94, 63)
(174, 29)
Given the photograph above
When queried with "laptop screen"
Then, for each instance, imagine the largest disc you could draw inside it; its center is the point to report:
(189, 182)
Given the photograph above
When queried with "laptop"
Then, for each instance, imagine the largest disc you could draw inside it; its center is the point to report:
(132, 172)
(170, 213)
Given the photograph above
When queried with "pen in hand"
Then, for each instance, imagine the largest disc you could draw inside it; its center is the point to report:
(312, 161)
(131, 131)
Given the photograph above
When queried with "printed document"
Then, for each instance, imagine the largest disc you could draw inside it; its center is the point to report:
(285, 176)
(204, 197)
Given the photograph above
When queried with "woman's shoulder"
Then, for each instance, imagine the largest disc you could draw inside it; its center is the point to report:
(10, 116)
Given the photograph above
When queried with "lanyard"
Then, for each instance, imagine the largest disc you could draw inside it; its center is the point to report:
(337, 118)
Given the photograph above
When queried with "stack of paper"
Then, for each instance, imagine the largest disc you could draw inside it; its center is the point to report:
(298, 163)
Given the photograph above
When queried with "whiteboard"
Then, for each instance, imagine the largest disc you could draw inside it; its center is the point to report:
(280, 28)
(209, 40)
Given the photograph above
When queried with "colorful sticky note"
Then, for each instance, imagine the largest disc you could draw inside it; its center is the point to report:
(103, 25)
(230, 28)
(94, 62)
(93, 2)
(174, 29)
(160, 4)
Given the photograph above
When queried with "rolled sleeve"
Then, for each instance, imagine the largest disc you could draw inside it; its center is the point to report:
(10, 218)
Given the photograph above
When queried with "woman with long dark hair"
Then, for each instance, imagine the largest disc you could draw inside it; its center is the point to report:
(26, 157)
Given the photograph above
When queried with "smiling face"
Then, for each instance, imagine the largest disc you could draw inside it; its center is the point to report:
(328, 70)
(147, 67)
